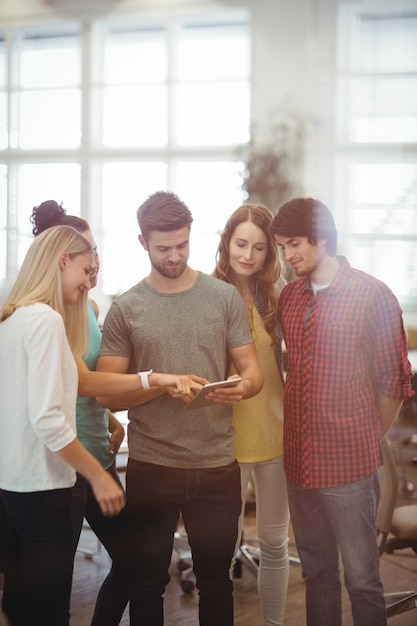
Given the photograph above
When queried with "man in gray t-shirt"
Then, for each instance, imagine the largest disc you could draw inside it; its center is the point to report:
(181, 462)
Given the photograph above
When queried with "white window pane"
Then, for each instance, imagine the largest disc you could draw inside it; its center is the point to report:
(3, 196)
(384, 129)
(383, 109)
(212, 191)
(138, 56)
(125, 187)
(384, 183)
(380, 223)
(2, 63)
(3, 251)
(384, 42)
(3, 121)
(212, 114)
(50, 119)
(123, 263)
(217, 51)
(380, 257)
(3, 95)
(50, 62)
(47, 181)
(135, 116)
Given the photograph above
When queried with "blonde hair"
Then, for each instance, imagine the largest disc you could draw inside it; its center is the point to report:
(40, 280)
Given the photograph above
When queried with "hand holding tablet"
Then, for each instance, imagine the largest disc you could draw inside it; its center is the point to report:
(200, 399)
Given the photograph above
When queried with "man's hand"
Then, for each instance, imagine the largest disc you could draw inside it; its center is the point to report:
(229, 395)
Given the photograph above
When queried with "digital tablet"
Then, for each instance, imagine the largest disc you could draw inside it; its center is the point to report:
(200, 399)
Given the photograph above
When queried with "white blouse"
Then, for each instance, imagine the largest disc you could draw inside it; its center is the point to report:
(38, 390)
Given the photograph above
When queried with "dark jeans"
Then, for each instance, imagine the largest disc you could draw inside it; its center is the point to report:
(112, 532)
(39, 558)
(209, 502)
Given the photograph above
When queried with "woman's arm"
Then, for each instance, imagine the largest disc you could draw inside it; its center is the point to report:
(107, 492)
(177, 386)
(93, 383)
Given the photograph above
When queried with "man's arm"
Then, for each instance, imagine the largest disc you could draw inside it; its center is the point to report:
(389, 409)
(247, 365)
(120, 365)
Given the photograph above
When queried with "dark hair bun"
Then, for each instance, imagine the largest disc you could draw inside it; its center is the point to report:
(47, 214)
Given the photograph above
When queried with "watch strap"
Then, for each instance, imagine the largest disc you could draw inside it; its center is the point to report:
(144, 379)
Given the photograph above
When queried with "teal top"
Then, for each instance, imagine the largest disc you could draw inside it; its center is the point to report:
(92, 419)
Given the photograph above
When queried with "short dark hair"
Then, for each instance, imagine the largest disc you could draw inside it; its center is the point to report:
(306, 217)
(163, 211)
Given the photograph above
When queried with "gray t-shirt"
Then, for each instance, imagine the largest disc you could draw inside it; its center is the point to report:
(179, 333)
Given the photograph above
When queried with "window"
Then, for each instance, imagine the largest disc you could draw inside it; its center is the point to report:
(377, 143)
(46, 98)
(104, 115)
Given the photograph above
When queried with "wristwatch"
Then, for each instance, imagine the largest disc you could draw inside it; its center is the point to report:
(144, 379)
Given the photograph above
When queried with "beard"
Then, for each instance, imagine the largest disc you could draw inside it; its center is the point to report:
(169, 271)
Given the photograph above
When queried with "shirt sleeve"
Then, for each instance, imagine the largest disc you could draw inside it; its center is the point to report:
(50, 381)
(239, 333)
(116, 337)
(393, 373)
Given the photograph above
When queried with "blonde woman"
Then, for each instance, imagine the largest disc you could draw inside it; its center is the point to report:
(247, 258)
(43, 325)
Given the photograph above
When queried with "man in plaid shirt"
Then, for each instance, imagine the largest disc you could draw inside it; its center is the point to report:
(347, 377)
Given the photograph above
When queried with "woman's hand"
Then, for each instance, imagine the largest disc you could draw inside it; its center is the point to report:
(183, 386)
(108, 494)
(117, 434)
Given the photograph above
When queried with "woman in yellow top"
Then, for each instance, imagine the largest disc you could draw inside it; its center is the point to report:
(247, 257)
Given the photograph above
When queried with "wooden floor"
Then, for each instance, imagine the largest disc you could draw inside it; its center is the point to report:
(399, 571)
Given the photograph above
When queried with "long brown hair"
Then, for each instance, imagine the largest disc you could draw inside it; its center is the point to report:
(266, 280)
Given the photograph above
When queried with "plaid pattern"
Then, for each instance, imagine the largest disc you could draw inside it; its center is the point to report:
(346, 346)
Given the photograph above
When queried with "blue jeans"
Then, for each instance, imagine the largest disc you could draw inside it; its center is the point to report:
(111, 531)
(324, 521)
(39, 558)
(209, 502)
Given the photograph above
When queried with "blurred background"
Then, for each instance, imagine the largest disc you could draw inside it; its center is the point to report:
(103, 102)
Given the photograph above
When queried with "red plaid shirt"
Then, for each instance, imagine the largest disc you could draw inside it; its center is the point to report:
(346, 346)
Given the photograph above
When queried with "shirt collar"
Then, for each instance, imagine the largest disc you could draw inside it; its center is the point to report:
(338, 282)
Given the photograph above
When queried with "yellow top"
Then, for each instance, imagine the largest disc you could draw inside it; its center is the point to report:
(258, 421)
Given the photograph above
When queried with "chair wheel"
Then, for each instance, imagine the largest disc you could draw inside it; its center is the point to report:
(187, 586)
(183, 565)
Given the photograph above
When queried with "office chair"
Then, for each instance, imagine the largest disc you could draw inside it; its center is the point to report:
(396, 528)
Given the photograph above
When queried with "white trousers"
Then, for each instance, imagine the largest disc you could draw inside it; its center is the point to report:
(272, 519)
